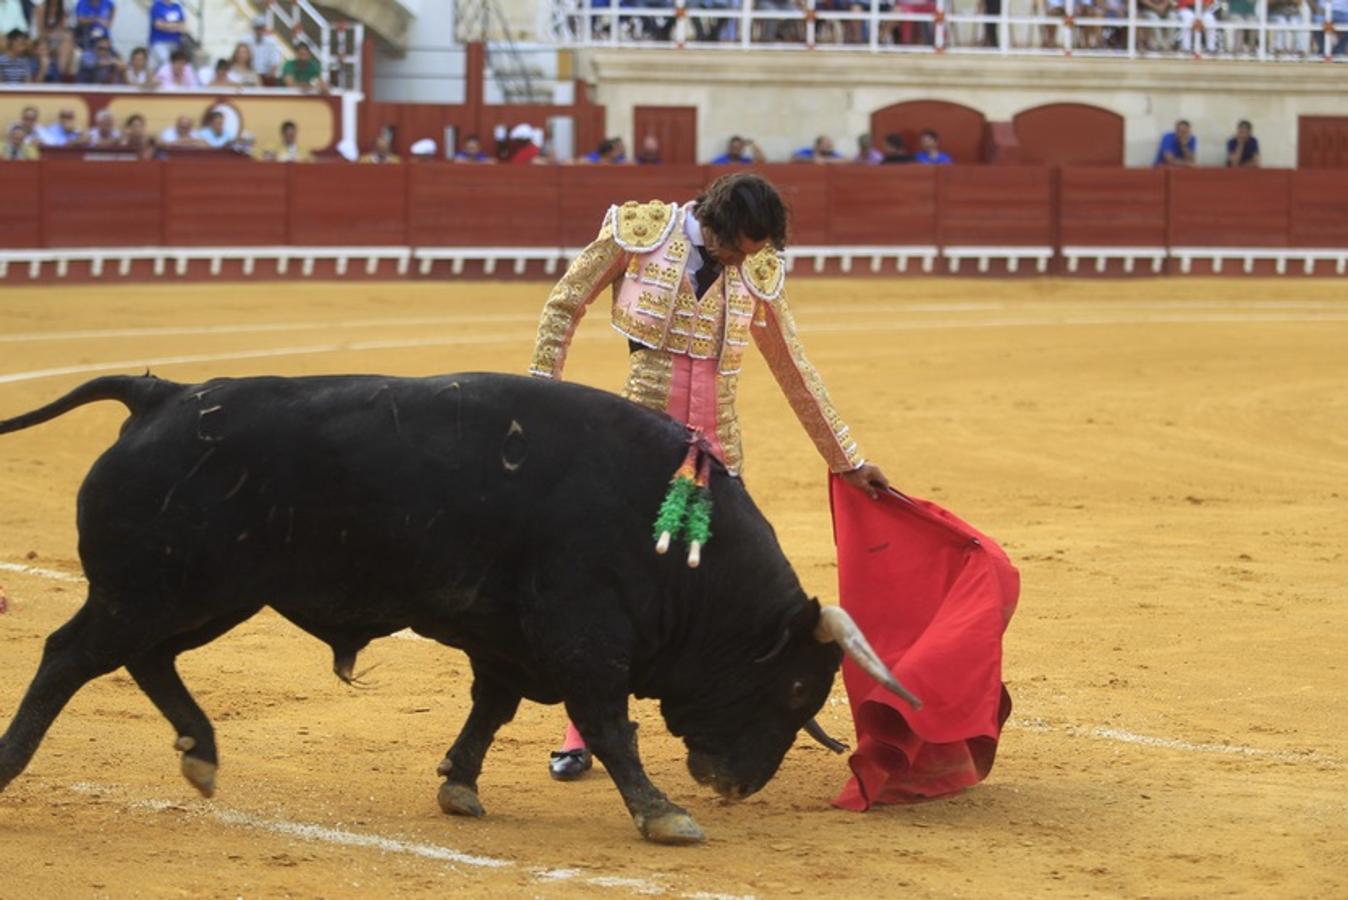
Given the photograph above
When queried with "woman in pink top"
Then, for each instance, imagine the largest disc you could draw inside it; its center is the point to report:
(177, 73)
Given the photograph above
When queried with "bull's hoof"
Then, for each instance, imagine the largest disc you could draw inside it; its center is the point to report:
(672, 828)
(200, 774)
(459, 800)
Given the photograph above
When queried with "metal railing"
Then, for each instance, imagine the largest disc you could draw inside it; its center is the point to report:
(337, 44)
(1243, 29)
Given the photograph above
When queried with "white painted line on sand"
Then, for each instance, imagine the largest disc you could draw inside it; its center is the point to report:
(49, 574)
(524, 339)
(341, 837)
(1124, 736)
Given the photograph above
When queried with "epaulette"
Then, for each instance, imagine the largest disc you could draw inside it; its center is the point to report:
(765, 274)
(641, 227)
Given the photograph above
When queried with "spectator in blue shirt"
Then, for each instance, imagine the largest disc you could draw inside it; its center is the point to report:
(14, 65)
(821, 151)
(214, 133)
(168, 24)
(61, 132)
(610, 151)
(1242, 151)
(471, 152)
(91, 14)
(1177, 147)
(931, 153)
(739, 151)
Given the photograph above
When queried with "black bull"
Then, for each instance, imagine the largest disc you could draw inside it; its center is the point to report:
(506, 516)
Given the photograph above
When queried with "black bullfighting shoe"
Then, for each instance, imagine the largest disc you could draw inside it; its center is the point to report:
(568, 765)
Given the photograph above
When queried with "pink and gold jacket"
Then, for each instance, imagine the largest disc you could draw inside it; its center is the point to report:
(691, 349)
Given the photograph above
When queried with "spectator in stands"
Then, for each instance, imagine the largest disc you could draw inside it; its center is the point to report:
(381, 152)
(218, 75)
(867, 153)
(177, 74)
(102, 65)
(104, 133)
(1244, 40)
(213, 132)
(168, 24)
(289, 148)
(1048, 34)
(135, 137)
(471, 151)
(706, 28)
(17, 147)
(524, 146)
(91, 15)
(1338, 15)
(56, 42)
(28, 122)
(1242, 151)
(821, 151)
(13, 17)
(15, 67)
(649, 154)
(266, 50)
(609, 152)
(304, 71)
(896, 152)
(739, 151)
(137, 73)
(1177, 147)
(62, 132)
(1187, 12)
(991, 30)
(180, 134)
(1156, 11)
(241, 71)
(1287, 12)
(423, 150)
(931, 153)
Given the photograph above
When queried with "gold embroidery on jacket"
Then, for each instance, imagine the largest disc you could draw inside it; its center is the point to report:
(596, 267)
(649, 376)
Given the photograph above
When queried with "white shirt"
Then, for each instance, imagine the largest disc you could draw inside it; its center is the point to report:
(693, 229)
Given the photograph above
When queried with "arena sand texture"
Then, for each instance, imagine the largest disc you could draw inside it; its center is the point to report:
(1166, 461)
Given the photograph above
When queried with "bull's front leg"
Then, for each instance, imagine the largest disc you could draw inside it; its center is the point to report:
(613, 738)
(493, 706)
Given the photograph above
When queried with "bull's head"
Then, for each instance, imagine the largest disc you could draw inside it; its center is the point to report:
(737, 738)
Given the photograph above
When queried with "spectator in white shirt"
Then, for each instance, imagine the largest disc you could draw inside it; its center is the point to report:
(177, 73)
(180, 134)
(138, 72)
(266, 50)
(12, 17)
(104, 133)
(241, 71)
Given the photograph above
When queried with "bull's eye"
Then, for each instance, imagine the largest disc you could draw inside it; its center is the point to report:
(799, 694)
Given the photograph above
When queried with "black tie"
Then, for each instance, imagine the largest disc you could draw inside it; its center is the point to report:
(708, 273)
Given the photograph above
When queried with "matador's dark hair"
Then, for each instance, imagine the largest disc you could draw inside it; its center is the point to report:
(743, 205)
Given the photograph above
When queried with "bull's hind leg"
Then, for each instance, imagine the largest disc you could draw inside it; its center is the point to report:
(79, 651)
(156, 675)
(493, 706)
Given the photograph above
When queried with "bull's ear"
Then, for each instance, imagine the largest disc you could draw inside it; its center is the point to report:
(807, 620)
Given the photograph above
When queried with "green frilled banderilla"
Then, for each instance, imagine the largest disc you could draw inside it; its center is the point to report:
(686, 509)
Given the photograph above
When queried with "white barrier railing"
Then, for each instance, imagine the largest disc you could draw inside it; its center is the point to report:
(1249, 29)
(336, 44)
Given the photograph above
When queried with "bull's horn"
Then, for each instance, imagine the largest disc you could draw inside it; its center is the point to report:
(835, 625)
(816, 731)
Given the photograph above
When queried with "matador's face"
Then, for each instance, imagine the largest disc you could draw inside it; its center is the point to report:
(728, 255)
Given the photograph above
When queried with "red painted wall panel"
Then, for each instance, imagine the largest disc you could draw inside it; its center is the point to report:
(483, 205)
(805, 189)
(232, 202)
(102, 204)
(882, 204)
(337, 204)
(1319, 214)
(1229, 207)
(1113, 207)
(21, 186)
(995, 206)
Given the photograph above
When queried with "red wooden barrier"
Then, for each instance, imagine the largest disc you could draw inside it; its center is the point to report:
(337, 204)
(805, 189)
(995, 206)
(1113, 207)
(21, 186)
(1319, 214)
(882, 205)
(588, 191)
(225, 203)
(1228, 207)
(483, 205)
(102, 204)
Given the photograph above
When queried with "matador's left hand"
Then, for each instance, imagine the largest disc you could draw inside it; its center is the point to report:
(868, 478)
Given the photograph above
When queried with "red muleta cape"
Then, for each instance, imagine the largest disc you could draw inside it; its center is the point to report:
(933, 596)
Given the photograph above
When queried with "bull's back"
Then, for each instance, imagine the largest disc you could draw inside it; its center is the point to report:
(367, 484)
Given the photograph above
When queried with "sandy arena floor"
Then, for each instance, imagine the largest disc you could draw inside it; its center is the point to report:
(1166, 461)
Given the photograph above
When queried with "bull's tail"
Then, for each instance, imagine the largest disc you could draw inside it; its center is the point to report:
(136, 392)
